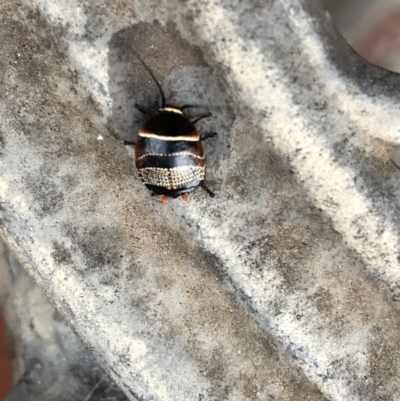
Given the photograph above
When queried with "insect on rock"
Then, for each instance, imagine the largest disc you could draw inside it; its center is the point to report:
(169, 152)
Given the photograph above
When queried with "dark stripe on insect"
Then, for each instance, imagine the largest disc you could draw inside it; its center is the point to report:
(169, 125)
(159, 146)
(168, 161)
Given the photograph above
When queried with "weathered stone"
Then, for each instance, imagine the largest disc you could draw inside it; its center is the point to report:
(285, 286)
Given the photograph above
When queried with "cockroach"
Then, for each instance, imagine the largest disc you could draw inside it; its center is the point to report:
(169, 153)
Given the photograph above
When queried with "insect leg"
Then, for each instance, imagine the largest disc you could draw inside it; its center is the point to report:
(128, 143)
(191, 106)
(207, 135)
(138, 107)
(203, 184)
(201, 117)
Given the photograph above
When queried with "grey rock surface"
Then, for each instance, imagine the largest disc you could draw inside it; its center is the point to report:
(52, 363)
(286, 286)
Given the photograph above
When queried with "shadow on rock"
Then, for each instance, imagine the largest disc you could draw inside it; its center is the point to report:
(183, 74)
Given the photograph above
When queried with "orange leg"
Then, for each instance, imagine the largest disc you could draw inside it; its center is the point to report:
(185, 197)
(164, 199)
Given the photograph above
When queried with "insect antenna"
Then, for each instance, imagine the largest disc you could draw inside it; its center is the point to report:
(153, 77)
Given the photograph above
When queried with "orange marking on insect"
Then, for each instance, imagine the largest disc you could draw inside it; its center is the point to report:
(185, 197)
(164, 199)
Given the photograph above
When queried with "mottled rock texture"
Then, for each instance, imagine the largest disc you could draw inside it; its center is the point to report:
(283, 287)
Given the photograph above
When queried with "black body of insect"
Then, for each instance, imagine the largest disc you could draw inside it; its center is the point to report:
(169, 153)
